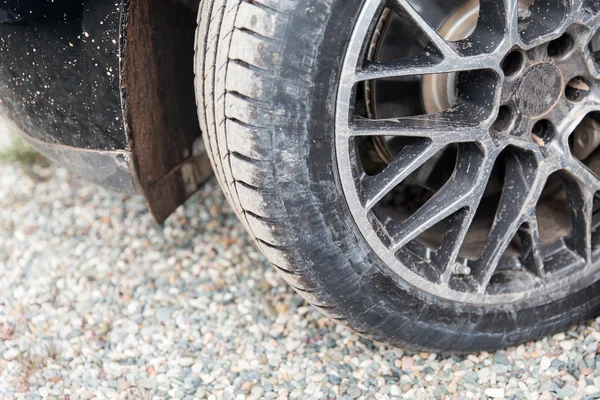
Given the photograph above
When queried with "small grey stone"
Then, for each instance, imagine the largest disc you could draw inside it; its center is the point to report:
(163, 314)
(257, 390)
(500, 358)
(548, 386)
(495, 393)
(11, 354)
(483, 373)
(500, 369)
(254, 375)
(354, 392)
(471, 377)
(186, 361)
(197, 367)
(440, 390)
(148, 383)
(557, 364)
(566, 391)
(123, 385)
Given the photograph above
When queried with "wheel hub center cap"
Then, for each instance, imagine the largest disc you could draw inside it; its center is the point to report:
(539, 90)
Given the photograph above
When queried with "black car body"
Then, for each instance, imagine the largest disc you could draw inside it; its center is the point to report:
(105, 88)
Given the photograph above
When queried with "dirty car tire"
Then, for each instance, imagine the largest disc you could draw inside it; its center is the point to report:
(266, 84)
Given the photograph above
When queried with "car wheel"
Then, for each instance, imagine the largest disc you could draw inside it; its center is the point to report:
(421, 171)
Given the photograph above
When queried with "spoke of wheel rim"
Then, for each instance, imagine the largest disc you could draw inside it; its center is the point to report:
(568, 123)
(583, 174)
(402, 6)
(451, 126)
(547, 18)
(577, 7)
(529, 236)
(457, 193)
(458, 226)
(512, 21)
(420, 66)
(581, 202)
(517, 200)
(593, 101)
(581, 187)
(411, 157)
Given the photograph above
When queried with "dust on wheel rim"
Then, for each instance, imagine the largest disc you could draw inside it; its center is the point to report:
(487, 123)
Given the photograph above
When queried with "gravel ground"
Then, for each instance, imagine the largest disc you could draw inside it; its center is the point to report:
(99, 301)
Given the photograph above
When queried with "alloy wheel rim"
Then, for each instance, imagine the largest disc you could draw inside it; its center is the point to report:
(522, 89)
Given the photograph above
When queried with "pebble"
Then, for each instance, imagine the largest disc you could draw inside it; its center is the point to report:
(292, 345)
(545, 363)
(197, 367)
(407, 363)
(186, 361)
(494, 393)
(123, 308)
(591, 389)
(11, 354)
(483, 374)
(566, 344)
(500, 358)
(123, 386)
(546, 396)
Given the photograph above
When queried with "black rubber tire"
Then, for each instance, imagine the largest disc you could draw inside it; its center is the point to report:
(266, 84)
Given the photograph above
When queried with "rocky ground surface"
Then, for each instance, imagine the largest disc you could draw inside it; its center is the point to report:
(97, 301)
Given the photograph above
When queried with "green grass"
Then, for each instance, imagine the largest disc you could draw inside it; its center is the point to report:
(20, 153)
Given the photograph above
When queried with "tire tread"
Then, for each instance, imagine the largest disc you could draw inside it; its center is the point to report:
(235, 74)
